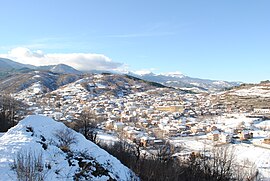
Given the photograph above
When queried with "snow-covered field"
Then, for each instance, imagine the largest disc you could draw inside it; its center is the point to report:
(257, 153)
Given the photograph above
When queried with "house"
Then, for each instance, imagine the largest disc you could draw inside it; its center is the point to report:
(109, 124)
(211, 128)
(170, 131)
(196, 129)
(214, 135)
(132, 134)
(175, 108)
(147, 141)
(118, 126)
(266, 140)
(262, 110)
(181, 128)
(225, 138)
(245, 135)
(158, 142)
(143, 122)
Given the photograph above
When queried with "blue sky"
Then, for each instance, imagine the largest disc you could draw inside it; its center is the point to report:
(223, 40)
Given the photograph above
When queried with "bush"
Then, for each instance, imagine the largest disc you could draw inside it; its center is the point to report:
(65, 138)
(29, 166)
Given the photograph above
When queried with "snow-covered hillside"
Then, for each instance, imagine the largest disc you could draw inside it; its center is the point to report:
(40, 135)
(258, 90)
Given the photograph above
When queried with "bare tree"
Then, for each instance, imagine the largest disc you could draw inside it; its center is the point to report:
(219, 164)
(9, 110)
(246, 170)
(86, 124)
(65, 139)
(29, 166)
(165, 152)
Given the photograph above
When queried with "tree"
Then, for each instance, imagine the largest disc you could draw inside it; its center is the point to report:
(10, 109)
(165, 152)
(65, 139)
(217, 164)
(86, 124)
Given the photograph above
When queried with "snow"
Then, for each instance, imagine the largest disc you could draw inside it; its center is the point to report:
(101, 86)
(107, 139)
(37, 88)
(36, 76)
(18, 140)
(195, 83)
(176, 74)
(259, 156)
(221, 83)
(262, 91)
(263, 124)
(233, 120)
(255, 152)
(243, 152)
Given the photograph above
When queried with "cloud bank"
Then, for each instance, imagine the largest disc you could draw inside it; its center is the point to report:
(80, 61)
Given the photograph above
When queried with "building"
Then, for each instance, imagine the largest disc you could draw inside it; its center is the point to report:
(174, 108)
(225, 138)
(261, 110)
(214, 135)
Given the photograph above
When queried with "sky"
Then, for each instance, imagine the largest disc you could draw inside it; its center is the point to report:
(220, 40)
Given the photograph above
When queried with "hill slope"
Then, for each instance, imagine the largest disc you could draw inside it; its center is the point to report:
(8, 67)
(7, 64)
(42, 136)
(246, 97)
(60, 68)
(35, 82)
(41, 81)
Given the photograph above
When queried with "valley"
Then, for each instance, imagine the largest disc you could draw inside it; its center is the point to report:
(149, 115)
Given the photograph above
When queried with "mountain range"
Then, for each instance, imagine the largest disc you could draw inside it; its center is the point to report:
(182, 81)
(10, 67)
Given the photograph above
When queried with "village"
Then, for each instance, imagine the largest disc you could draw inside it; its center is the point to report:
(151, 117)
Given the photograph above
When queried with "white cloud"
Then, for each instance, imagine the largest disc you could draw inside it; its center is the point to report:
(80, 61)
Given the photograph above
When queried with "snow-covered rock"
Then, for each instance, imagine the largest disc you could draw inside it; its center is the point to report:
(37, 135)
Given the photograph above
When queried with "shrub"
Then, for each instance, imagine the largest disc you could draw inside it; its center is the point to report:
(29, 166)
(65, 138)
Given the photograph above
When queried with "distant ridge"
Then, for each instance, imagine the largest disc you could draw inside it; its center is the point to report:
(8, 65)
(174, 79)
(183, 81)
(60, 68)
